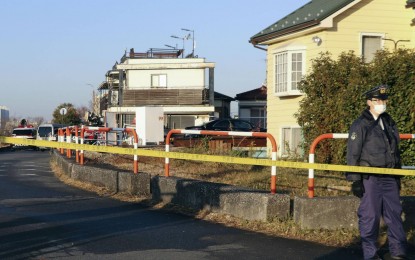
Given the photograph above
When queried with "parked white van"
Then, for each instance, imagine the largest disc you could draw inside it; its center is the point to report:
(48, 132)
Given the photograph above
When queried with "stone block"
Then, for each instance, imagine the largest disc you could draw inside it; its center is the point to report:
(96, 176)
(326, 212)
(240, 202)
(134, 184)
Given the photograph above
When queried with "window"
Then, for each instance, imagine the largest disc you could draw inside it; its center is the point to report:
(289, 69)
(370, 44)
(291, 139)
(179, 121)
(281, 73)
(129, 119)
(159, 80)
(255, 115)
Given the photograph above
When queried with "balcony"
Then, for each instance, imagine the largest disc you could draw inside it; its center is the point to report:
(165, 97)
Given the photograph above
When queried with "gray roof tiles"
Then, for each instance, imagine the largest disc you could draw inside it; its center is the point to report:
(315, 10)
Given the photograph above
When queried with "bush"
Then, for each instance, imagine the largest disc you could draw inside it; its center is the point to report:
(334, 98)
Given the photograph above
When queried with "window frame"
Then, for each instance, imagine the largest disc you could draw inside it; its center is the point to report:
(283, 151)
(368, 34)
(287, 70)
(158, 75)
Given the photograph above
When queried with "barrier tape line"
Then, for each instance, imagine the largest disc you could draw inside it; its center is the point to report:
(207, 158)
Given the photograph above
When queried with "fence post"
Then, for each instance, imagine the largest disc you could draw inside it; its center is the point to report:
(76, 141)
(134, 132)
(82, 142)
(68, 141)
(62, 138)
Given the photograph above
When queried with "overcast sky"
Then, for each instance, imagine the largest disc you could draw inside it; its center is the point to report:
(58, 51)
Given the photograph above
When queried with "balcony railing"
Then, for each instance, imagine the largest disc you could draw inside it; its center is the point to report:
(162, 96)
(153, 53)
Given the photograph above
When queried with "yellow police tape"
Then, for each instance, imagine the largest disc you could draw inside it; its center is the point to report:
(204, 157)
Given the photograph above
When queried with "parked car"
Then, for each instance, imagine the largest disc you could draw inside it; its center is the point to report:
(24, 132)
(228, 125)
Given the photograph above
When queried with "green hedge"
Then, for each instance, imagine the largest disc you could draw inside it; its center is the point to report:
(334, 98)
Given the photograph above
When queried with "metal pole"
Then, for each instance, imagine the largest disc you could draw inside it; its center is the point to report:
(193, 40)
(183, 38)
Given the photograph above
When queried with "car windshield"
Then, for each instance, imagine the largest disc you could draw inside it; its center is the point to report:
(242, 124)
(23, 132)
(45, 131)
(222, 124)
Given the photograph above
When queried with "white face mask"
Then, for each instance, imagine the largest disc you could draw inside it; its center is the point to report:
(380, 109)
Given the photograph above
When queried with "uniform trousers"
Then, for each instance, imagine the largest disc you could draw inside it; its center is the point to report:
(381, 199)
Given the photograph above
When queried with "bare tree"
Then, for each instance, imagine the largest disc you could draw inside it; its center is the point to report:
(83, 113)
(36, 121)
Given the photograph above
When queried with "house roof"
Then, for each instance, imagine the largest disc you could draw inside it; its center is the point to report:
(219, 96)
(255, 94)
(310, 14)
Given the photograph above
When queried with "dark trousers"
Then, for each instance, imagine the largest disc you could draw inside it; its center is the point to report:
(381, 199)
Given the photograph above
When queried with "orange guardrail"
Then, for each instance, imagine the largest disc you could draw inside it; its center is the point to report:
(226, 133)
(79, 155)
(331, 136)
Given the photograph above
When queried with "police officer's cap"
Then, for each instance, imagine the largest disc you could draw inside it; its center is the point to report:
(379, 92)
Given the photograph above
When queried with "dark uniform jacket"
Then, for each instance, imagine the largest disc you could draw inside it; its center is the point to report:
(369, 145)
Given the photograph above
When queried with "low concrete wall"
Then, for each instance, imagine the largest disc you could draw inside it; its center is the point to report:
(115, 181)
(339, 212)
(325, 212)
(62, 162)
(95, 175)
(240, 202)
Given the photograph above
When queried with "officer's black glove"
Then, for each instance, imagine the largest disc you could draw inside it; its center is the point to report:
(358, 189)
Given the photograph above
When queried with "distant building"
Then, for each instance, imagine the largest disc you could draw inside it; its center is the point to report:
(183, 87)
(252, 106)
(4, 116)
(222, 105)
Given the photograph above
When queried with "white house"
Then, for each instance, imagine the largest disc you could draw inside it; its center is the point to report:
(183, 87)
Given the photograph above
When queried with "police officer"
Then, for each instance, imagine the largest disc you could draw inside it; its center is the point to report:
(373, 141)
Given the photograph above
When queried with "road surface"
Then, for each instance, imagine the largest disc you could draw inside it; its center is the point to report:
(42, 218)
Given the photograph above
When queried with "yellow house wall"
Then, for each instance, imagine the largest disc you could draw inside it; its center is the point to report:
(387, 17)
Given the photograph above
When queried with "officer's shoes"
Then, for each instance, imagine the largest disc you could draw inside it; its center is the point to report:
(375, 257)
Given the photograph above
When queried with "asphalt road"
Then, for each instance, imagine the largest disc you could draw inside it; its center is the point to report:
(42, 218)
